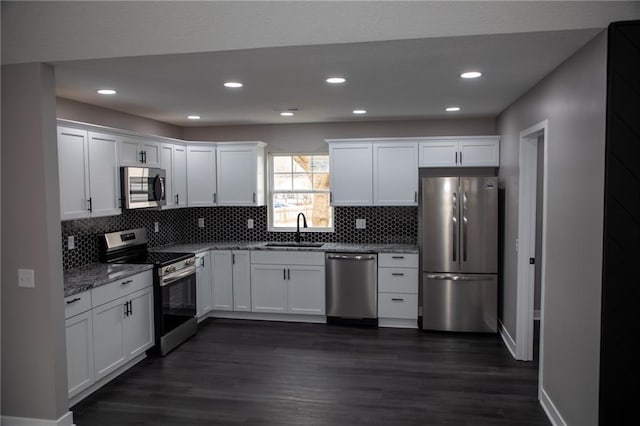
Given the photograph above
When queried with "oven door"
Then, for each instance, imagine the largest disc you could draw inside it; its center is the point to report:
(143, 187)
(177, 302)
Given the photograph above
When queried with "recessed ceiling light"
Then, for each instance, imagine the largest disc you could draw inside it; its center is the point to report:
(233, 84)
(471, 74)
(336, 80)
(452, 109)
(287, 114)
(359, 111)
(193, 117)
(107, 92)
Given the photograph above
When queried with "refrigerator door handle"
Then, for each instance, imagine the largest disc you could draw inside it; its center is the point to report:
(464, 226)
(459, 277)
(454, 219)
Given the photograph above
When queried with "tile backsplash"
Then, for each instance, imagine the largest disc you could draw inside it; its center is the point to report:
(383, 225)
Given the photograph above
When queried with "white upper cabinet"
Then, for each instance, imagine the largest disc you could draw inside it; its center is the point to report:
(180, 175)
(201, 175)
(395, 174)
(240, 179)
(139, 152)
(473, 151)
(173, 159)
(351, 174)
(89, 178)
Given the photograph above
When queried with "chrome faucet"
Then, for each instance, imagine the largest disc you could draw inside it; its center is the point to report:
(304, 224)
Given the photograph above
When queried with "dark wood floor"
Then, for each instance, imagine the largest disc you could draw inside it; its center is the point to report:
(268, 373)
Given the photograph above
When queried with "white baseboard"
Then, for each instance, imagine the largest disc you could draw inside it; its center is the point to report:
(508, 340)
(398, 322)
(66, 420)
(265, 316)
(549, 407)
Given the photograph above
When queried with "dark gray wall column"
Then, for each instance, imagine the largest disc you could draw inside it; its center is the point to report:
(34, 379)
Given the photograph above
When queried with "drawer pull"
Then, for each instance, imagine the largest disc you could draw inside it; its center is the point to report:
(74, 300)
(397, 300)
(126, 282)
(397, 257)
(397, 274)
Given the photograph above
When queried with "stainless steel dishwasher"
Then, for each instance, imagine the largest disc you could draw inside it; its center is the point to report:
(352, 288)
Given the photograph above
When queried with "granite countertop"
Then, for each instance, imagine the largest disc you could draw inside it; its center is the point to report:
(262, 245)
(86, 277)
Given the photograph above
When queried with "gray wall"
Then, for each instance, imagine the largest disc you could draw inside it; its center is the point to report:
(34, 380)
(573, 99)
(309, 138)
(79, 111)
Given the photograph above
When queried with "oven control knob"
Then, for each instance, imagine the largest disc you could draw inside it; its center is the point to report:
(170, 269)
(189, 262)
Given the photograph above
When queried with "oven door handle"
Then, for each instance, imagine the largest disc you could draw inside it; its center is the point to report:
(175, 277)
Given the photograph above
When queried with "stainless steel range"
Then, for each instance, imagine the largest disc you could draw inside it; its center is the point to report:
(174, 284)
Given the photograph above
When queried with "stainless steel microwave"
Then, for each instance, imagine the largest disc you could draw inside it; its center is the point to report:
(142, 187)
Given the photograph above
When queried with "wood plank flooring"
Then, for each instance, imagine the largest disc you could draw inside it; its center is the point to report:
(271, 373)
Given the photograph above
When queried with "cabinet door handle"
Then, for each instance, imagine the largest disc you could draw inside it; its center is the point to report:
(215, 197)
(331, 197)
(202, 261)
(456, 157)
(415, 196)
(289, 274)
(397, 257)
(74, 300)
(126, 282)
(130, 307)
(254, 197)
(233, 259)
(126, 309)
(397, 300)
(177, 199)
(460, 157)
(397, 274)
(90, 201)
(284, 273)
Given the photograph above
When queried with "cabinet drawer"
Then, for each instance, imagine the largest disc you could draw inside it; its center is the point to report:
(398, 280)
(398, 260)
(397, 305)
(121, 288)
(287, 257)
(76, 304)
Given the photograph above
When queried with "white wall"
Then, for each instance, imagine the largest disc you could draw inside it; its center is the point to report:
(34, 373)
(573, 99)
(309, 138)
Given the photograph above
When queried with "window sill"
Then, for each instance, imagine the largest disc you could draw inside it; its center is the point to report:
(302, 230)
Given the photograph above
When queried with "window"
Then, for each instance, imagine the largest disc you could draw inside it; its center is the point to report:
(300, 183)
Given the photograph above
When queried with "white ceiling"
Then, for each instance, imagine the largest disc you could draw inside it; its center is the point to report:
(401, 58)
(402, 79)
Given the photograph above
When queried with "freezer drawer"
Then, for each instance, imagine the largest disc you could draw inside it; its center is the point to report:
(453, 302)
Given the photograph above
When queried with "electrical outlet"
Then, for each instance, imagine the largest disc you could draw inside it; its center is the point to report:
(156, 227)
(201, 222)
(249, 223)
(71, 242)
(361, 223)
(26, 278)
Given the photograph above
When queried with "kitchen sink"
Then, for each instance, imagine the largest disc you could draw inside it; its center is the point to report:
(293, 244)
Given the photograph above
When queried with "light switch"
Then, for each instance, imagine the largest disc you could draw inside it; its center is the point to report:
(71, 242)
(201, 222)
(361, 223)
(249, 223)
(156, 227)
(26, 278)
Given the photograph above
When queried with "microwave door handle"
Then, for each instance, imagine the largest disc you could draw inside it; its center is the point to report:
(158, 188)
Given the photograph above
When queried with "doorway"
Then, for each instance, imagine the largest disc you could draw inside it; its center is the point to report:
(531, 240)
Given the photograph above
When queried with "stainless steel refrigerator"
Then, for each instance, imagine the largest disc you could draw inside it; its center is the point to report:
(459, 246)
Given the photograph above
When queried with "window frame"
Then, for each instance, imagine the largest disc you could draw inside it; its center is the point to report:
(271, 191)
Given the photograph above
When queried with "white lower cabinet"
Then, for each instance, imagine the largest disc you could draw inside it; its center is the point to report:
(398, 290)
(288, 282)
(204, 298)
(106, 328)
(222, 279)
(122, 330)
(79, 337)
(241, 280)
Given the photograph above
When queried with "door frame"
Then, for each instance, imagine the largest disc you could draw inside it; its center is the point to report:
(526, 240)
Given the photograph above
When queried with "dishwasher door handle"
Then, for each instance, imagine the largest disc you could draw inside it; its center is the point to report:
(352, 256)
